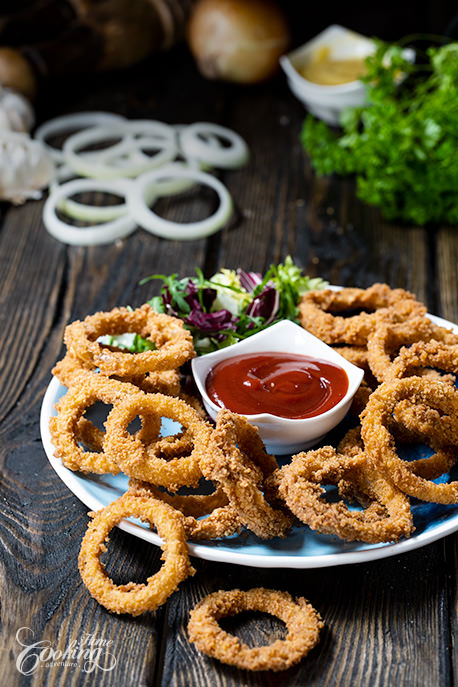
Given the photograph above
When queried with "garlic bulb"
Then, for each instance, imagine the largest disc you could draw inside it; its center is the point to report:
(25, 167)
(16, 113)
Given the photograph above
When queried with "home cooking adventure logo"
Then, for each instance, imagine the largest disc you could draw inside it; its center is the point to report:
(86, 653)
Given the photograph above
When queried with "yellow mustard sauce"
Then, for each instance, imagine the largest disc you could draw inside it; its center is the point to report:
(324, 70)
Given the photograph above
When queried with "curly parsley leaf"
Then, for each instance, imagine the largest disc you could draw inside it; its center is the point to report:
(402, 145)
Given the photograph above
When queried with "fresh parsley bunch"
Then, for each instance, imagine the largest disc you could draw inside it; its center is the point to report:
(402, 146)
(232, 305)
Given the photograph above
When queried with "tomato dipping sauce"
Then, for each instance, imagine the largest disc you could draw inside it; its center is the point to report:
(284, 384)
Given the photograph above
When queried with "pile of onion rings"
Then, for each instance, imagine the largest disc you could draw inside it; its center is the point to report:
(123, 167)
(408, 396)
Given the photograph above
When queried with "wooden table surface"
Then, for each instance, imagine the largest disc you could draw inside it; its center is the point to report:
(388, 622)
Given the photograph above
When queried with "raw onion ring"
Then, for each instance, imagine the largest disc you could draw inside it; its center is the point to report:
(135, 598)
(301, 619)
(195, 146)
(97, 234)
(70, 122)
(161, 136)
(145, 186)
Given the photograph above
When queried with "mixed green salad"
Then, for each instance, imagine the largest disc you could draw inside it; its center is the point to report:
(233, 304)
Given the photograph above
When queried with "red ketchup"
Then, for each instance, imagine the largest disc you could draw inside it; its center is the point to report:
(283, 384)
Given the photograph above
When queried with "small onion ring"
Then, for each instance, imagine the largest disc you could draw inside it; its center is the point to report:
(138, 460)
(221, 519)
(301, 619)
(97, 234)
(162, 135)
(141, 192)
(173, 341)
(70, 122)
(318, 308)
(135, 598)
(299, 483)
(379, 442)
(194, 146)
(89, 388)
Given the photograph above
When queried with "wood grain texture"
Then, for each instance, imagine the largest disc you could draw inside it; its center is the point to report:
(388, 622)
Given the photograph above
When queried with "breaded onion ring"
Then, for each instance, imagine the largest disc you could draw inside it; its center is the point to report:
(301, 619)
(66, 427)
(420, 422)
(423, 354)
(390, 334)
(173, 343)
(230, 465)
(387, 516)
(379, 442)
(145, 462)
(317, 310)
(429, 468)
(221, 521)
(135, 598)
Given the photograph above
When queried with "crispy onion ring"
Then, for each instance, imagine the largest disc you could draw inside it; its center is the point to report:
(143, 462)
(301, 619)
(66, 429)
(418, 421)
(379, 441)
(406, 428)
(317, 307)
(135, 598)
(221, 521)
(173, 343)
(390, 333)
(423, 355)
(240, 473)
(387, 515)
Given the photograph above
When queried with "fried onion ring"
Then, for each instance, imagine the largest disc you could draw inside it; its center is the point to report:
(390, 334)
(301, 619)
(145, 462)
(379, 442)
(135, 598)
(317, 310)
(173, 343)
(221, 521)
(386, 517)
(240, 473)
(66, 426)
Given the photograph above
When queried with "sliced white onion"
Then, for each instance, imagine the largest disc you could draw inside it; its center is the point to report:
(151, 135)
(70, 122)
(87, 236)
(195, 142)
(143, 191)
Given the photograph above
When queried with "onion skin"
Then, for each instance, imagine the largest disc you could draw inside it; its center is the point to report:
(237, 40)
(16, 73)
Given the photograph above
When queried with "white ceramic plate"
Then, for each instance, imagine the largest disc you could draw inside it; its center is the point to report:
(302, 548)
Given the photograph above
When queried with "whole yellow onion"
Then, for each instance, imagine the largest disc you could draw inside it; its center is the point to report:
(237, 40)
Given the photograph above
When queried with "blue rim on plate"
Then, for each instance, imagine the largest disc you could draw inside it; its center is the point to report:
(302, 548)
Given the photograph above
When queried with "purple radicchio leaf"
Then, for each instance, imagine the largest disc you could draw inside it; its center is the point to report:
(249, 280)
(212, 322)
(207, 296)
(265, 305)
(167, 303)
